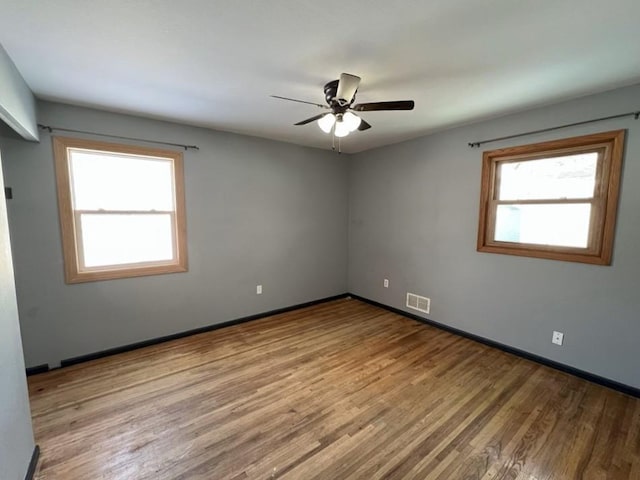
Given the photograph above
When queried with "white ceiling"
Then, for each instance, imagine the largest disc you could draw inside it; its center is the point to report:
(214, 63)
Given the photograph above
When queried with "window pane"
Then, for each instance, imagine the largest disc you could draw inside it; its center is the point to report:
(115, 181)
(571, 176)
(565, 225)
(116, 239)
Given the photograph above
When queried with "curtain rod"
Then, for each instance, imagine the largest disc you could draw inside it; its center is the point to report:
(60, 129)
(635, 114)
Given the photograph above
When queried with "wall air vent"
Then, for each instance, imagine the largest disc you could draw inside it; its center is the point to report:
(416, 302)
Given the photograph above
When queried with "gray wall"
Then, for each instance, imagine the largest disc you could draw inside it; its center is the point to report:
(276, 214)
(258, 212)
(17, 104)
(16, 437)
(414, 218)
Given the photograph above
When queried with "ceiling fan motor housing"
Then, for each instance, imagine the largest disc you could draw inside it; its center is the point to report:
(330, 91)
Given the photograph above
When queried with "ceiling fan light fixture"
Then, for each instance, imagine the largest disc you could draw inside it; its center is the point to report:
(351, 120)
(326, 122)
(342, 129)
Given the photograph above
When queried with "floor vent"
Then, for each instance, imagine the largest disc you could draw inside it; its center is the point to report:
(422, 304)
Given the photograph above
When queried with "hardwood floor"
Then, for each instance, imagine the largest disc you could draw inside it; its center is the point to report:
(338, 390)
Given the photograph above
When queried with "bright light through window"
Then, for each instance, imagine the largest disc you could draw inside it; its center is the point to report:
(565, 225)
(553, 200)
(121, 209)
(548, 179)
(99, 181)
(572, 176)
(125, 239)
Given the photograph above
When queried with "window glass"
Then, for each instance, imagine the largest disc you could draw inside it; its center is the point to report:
(569, 176)
(565, 225)
(120, 182)
(120, 239)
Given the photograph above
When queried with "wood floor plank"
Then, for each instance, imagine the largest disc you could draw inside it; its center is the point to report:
(338, 390)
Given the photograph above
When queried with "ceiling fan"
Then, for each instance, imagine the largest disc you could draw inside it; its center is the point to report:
(340, 96)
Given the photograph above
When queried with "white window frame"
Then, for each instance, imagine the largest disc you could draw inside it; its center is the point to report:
(74, 269)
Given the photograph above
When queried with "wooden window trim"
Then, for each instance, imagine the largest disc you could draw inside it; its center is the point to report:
(70, 240)
(605, 200)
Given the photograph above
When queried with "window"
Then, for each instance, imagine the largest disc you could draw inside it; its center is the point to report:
(121, 210)
(553, 200)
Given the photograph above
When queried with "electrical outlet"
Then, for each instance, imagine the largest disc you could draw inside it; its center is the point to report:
(259, 289)
(386, 283)
(557, 338)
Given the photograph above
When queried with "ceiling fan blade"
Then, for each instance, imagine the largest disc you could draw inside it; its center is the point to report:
(299, 101)
(347, 87)
(363, 125)
(312, 119)
(378, 106)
